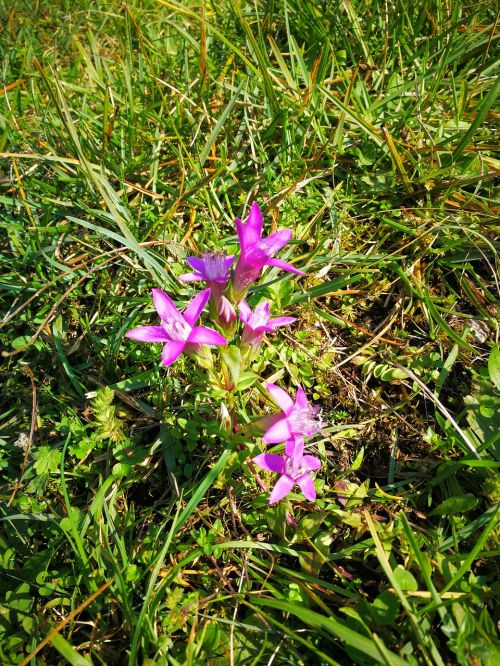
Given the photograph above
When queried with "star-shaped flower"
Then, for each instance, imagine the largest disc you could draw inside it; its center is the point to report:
(258, 322)
(297, 418)
(294, 469)
(257, 252)
(213, 267)
(177, 332)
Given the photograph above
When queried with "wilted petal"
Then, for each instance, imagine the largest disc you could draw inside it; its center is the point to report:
(281, 321)
(280, 397)
(275, 242)
(283, 486)
(193, 310)
(307, 486)
(271, 462)
(189, 277)
(171, 352)
(265, 422)
(279, 432)
(284, 265)
(206, 336)
(165, 306)
(311, 463)
(147, 334)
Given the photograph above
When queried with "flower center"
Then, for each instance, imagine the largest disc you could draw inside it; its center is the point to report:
(305, 419)
(294, 469)
(177, 329)
(215, 266)
(260, 317)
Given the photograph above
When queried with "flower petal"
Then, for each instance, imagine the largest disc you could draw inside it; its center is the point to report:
(245, 311)
(165, 306)
(189, 277)
(283, 486)
(284, 265)
(307, 486)
(196, 264)
(275, 242)
(280, 397)
(300, 399)
(206, 336)
(253, 226)
(229, 261)
(281, 321)
(171, 351)
(278, 432)
(240, 230)
(298, 454)
(148, 334)
(270, 461)
(311, 463)
(193, 310)
(291, 443)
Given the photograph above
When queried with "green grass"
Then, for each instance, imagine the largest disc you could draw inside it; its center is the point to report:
(131, 135)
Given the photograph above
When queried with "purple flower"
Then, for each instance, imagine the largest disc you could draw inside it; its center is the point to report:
(177, 331)
(258, 322)
(257, 252)
(213, 268)
(297, 418)
(294, 469)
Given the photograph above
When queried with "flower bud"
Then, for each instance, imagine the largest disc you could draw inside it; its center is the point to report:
(227, 314)
(224, 419)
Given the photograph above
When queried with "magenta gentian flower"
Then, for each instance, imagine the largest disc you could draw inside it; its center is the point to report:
(258, 322)
(294, 469)
(257, 252)
(297, 418)
(177, 331)
(214, 267)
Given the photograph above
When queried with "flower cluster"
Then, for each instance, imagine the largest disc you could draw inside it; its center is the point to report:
(296, 420)
(227, 285)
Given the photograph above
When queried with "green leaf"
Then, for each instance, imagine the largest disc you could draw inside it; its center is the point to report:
(455, 504)
(385, 608)
(246, 380)
(220, 123)
(121, 470)
(494, 367)
(357, 461)
(333, 626)
(309, 526)
(232, 358)
(67, 651)
(406, 580)
(47, 460)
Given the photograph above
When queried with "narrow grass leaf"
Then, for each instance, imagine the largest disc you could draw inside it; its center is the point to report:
(333, 626)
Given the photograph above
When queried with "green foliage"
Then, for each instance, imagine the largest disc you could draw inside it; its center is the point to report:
(130, 137)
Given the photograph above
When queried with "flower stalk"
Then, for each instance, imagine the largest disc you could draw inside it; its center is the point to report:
(239, 329)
